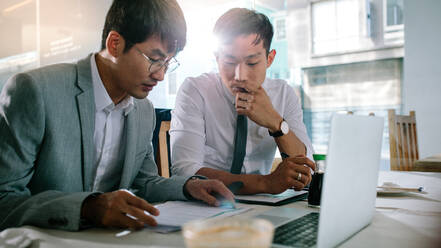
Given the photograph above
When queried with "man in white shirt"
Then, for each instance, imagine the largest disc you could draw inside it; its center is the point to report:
(239, 105)
(75, 142)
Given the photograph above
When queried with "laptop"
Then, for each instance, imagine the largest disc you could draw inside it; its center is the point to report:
(349, 188)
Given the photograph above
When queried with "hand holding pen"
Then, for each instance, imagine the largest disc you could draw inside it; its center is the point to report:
(119, 208)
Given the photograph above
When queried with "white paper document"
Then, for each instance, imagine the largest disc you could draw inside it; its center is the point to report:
(174, 214)
(270, 198)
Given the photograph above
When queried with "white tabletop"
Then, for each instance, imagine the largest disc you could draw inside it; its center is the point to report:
(406, 220)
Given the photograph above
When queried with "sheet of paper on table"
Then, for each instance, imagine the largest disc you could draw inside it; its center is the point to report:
(270, 199)
(174, 214)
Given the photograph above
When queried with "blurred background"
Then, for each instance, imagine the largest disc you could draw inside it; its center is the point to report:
(339, 55)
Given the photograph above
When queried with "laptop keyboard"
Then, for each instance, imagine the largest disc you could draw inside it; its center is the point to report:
(301, 232)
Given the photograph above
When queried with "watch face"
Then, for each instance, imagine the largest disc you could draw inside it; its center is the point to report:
(284, 127)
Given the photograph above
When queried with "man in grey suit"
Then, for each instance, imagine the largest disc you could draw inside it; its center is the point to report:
(75, 136)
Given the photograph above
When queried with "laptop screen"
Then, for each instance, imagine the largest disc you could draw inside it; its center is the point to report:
(352, 164)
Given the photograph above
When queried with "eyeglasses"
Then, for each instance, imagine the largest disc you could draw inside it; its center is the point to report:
(155, 65)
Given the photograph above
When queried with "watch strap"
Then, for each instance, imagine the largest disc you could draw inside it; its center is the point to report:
(277, 133)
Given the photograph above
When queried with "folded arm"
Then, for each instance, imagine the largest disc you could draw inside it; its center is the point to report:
(283, 178)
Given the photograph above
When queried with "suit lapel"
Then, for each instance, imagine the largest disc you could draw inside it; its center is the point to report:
(86, 107)
(131, 126)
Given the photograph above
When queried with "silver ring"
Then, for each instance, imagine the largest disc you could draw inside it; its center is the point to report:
(299, 177)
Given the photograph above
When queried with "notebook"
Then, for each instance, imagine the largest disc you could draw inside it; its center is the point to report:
(285, 197)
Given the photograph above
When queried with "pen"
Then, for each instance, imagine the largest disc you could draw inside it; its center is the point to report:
(284, 156)
(123, 233)
(133, 191)
(128, 231)
(419, 189)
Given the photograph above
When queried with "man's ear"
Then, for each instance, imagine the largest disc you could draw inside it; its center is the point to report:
(271, 57)
(114, 44)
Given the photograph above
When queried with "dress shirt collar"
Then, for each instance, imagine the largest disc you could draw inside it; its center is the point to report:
(226, 92)
(103, 102)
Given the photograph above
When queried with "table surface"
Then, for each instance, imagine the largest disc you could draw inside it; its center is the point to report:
(403, 220)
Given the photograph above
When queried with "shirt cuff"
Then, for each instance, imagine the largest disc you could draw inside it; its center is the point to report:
(194, 177)
(84, 223)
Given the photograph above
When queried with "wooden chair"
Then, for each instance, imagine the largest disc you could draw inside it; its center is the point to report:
(162, 156)
(403, 141)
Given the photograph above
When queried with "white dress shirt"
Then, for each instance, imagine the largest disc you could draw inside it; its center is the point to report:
(109, 136)
(204, 124)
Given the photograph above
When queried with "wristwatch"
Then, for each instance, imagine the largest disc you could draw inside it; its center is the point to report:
(284, 129)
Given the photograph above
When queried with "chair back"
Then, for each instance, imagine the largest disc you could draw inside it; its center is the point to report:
(161, 141)
(162, 160)
(403, 141)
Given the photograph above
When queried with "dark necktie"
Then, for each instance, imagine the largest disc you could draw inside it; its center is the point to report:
(240, 144)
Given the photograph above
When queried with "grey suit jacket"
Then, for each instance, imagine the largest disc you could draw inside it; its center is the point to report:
(47, 152)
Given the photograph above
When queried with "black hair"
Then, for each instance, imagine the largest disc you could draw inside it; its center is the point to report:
(138, 20)
(241, 21)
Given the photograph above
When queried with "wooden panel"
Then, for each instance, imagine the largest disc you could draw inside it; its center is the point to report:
(400, 148)
(411, 143)
(392, 140)
(163, 168)
(414, 130)
(405, 139)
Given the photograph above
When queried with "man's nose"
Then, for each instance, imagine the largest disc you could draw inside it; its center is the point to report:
(159, 75)
(240, 73)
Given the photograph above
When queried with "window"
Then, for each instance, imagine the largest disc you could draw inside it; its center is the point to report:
(19, 39)
(335, 26)
(42, 32)
(364, 87)
(394, 13)
(280, 29)
(172, 84)
(394, 22)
